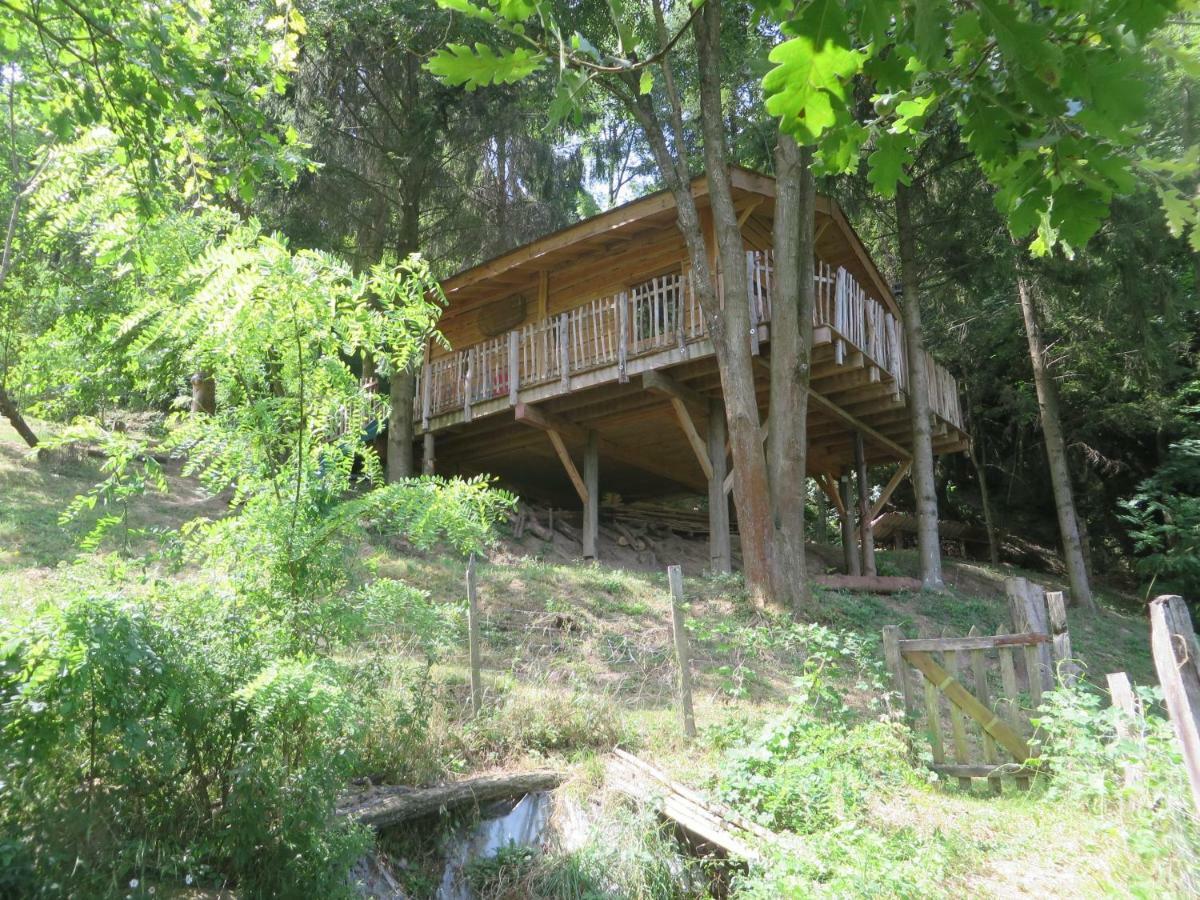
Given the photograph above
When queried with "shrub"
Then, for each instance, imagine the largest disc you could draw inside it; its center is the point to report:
(1088, 760)
(167, 744)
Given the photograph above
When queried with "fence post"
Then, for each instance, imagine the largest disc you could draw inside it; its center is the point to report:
(895, 664)
(473, 636)
(1124, 699)
(1027, 607)
(1067, 668)
(1173, 642)
(675, 576)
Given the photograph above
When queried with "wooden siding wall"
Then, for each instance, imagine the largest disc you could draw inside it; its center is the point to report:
(595, 276)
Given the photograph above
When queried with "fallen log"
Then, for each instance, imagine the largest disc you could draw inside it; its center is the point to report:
(869, 584)
(387, 805)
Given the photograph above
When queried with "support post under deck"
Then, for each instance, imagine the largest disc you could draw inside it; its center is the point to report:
(720, 551)
(427, 454)
(846, 514)
(591, 503)
(866, 532)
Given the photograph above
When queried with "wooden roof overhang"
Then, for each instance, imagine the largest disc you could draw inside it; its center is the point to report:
(600, 236)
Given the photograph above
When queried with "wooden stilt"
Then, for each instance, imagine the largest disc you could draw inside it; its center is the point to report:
(866, 534)
(846, 514)
(591, 501)
(427, 458)
(720, 550)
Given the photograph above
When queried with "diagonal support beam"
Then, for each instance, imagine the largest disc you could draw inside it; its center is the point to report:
(561, 449)
(535, 417)
(681, 397)
(829, 486)
(901, 474)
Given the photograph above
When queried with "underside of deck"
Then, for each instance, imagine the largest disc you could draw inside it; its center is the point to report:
(644, 446)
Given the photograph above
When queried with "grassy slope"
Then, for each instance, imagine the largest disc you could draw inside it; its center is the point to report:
(577, 657)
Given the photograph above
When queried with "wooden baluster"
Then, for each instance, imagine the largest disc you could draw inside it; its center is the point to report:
(564, 351)
(1012, 694)
(956, 721)
(622, 345)
(979, 670)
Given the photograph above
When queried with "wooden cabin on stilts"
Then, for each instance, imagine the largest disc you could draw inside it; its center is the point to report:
(579, 368)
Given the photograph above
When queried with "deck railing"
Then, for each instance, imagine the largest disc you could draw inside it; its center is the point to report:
(660, 314)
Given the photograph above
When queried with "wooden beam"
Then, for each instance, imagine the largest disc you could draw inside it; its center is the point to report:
(658, 383)
(751, 207)
(866, 535)
(829, 486)
(901, 473)
(693, 436)
(858, 425)
(561, 449)
(528, 414)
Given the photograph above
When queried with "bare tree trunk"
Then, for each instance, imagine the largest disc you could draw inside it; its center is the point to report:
(751, 491)
(1056, 451)
(985, 500)
(13, 414)
(728, 327)
(928, 544)
(791, 342)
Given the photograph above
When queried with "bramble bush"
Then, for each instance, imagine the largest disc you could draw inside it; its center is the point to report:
(1090, 747)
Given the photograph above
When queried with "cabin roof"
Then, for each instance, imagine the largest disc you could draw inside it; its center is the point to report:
(599, 235)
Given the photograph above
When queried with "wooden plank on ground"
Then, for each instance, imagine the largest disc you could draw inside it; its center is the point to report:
(387, 805)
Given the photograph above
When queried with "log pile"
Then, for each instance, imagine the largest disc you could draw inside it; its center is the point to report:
(702, 820)
(387, 805)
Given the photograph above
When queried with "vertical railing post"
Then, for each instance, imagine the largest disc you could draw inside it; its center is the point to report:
(514, 367)
(623, 337)
(564, 350)
(467, 384)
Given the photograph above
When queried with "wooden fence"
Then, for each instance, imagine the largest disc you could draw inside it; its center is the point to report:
(991, 685)
(661, 314)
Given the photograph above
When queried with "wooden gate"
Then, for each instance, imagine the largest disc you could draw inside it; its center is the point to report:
(989, 694)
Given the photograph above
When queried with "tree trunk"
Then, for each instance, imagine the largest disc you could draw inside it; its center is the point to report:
(985, 500)
(1056, 451)
(402, 386)
(924, 488)
(728, 327)
(10, 411)
(751, 493)
(791, 342)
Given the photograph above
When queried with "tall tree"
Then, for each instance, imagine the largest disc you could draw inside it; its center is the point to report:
(1056, 449)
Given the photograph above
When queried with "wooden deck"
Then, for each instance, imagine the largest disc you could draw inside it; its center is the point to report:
(588, 369)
